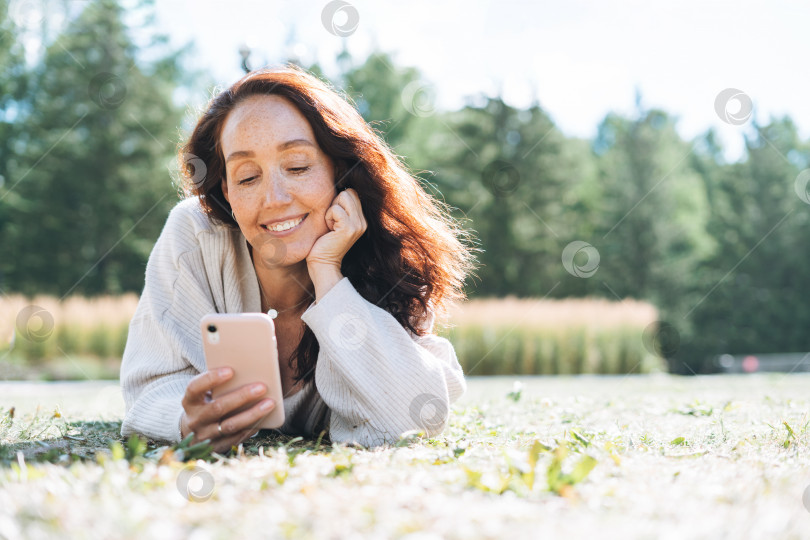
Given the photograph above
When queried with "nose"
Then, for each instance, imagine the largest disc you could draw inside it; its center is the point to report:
(276, 191)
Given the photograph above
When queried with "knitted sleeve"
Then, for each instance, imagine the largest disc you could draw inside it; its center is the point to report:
(163, 351)
(378, 379)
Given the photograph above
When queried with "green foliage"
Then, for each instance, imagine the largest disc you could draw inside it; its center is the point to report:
(136, 450)
(14, 81)
(517, 391)
(791, 436)
(183, 451)
(757, 301)
(695, 409)
(519, 475)
(376, 88)
(88, 187)
(561, 482)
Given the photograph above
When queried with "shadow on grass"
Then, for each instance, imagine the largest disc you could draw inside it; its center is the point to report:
(86, 440)
(79, 441)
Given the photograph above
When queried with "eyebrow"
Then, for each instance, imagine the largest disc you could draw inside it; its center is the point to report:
(283, 146)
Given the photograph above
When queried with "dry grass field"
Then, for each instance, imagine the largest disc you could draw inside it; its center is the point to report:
(80, 338)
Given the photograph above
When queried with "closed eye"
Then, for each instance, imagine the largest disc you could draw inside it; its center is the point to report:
(299, 170)
(246, 180)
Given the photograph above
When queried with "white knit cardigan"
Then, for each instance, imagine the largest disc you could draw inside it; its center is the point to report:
(374, 380)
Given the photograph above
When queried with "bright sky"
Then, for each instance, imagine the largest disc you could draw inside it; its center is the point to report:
(580, 59)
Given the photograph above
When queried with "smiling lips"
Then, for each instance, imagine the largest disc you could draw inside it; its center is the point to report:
(284, 226)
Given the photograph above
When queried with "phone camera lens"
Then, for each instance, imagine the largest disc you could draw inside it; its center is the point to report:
(212, 328)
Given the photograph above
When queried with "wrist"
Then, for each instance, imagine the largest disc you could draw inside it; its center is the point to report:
(324, 277)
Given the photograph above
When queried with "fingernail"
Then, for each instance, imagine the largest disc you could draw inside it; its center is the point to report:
(266, 404)
(256, 390)
(224, 372)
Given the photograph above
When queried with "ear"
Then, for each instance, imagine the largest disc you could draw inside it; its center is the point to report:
(338, 179)
(224, 185)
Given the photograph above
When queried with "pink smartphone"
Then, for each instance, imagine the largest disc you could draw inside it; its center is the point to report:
(245, 342)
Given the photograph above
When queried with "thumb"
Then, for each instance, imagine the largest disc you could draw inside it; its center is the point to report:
(329, 217)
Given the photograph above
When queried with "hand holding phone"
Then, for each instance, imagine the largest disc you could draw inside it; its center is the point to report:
(242, 369)
(204, 416)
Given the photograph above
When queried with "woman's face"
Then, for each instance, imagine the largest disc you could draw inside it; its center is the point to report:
(278, 182)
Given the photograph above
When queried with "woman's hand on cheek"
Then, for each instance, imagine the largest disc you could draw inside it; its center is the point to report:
(346, 224)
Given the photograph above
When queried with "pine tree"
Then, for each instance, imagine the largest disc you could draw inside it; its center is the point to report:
(654, 216)
(388, 96)
(13, 88)
(754, 298)
(515, 180)
(95, 187)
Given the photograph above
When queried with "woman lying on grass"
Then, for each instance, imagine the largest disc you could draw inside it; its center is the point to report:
(294, 204)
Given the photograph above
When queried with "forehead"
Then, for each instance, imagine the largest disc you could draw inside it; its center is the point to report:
(261, 120)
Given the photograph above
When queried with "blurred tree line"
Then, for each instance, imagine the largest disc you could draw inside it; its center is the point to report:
(87, 132)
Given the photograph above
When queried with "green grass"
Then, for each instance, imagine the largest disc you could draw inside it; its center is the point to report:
(553, 457)
(50, 438)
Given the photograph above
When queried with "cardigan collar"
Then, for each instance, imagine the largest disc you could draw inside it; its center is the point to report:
(249, 281)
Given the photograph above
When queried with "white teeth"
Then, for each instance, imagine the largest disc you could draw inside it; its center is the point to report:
(278, 227)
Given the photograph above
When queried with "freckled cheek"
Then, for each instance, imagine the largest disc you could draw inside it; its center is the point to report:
(248, 203)
(319, 200)
(317, 221)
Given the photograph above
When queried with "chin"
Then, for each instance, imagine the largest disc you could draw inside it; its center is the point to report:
(297, 253)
